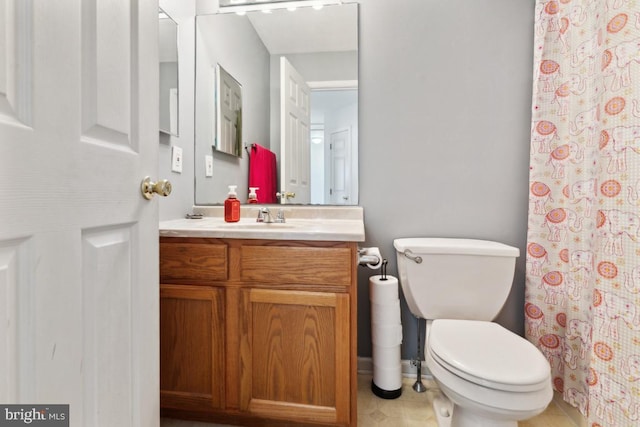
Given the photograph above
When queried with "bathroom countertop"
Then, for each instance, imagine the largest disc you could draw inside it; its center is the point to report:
(302, 223)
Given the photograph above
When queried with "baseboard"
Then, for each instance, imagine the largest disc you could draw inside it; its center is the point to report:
(570, 411)
(365, 366)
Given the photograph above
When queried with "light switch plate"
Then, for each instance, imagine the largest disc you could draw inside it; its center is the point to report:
(176, 159)
(208, 166)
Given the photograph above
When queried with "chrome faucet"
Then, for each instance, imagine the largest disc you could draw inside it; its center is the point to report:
(264, 215)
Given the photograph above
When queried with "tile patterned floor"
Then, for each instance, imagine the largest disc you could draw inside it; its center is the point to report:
(409, 410)
(414, 409)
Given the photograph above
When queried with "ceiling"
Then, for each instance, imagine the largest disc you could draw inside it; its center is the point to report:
(331, 29)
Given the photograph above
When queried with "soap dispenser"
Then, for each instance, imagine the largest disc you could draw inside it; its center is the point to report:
(232, 206)
(253, 197)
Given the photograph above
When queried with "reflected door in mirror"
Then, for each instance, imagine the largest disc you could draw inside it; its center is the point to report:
(294, 148)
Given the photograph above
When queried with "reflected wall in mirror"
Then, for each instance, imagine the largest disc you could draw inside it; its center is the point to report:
(228, 113)
(168, 54)
(321, 46)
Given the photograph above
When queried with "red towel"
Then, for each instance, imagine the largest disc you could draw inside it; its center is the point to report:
(263, 173)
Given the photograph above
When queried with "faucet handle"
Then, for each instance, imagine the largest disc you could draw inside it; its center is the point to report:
(260, 217)
(280, 217)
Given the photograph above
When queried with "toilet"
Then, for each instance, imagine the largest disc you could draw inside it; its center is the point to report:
(488, 375)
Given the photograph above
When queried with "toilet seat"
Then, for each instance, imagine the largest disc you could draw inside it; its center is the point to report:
(487, 354)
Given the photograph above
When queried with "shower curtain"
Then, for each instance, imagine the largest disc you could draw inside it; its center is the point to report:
(582, 299)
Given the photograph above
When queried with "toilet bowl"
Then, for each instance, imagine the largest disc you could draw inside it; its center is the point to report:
(489, 376)
(492, 376)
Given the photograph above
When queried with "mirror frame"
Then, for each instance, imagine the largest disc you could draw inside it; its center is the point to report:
(177, 81)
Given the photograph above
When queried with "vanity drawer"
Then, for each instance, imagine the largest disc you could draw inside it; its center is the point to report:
(296, 265)
(193, 261)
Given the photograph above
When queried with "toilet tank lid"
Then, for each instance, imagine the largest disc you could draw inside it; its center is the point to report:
(447, 246)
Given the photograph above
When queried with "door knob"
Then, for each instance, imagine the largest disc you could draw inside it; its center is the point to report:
(149, 188)
(287, 195)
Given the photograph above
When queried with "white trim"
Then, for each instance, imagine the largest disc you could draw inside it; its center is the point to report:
(333, 85)
(17, 109)
(24, 47)
(572, 413)
(242, 9)
(365, 366)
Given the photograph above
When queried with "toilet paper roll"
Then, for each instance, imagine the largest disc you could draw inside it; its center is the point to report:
(385, 356)
(387, 313)
(386, 335)
(369, 253)
(383, 292)
(386, 332)
(388, 377)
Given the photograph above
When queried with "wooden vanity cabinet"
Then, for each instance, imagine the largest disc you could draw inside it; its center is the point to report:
(287, 314)
(192, 336)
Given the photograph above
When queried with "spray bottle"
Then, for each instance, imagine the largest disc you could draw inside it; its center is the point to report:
(253, 197)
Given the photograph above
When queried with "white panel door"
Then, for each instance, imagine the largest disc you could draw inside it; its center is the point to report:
(78, 242)
(340, 154)
(295, 161)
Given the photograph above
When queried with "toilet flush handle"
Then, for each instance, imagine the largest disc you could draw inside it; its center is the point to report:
(415, 258)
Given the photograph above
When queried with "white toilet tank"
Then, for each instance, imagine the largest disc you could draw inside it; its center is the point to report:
(456, 278)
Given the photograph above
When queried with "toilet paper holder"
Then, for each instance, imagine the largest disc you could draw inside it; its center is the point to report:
(370, 257)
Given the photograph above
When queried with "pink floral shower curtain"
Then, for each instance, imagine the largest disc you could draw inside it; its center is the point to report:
(582, 302)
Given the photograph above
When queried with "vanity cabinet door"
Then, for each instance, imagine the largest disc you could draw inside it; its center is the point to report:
(192, 347)
(295, 353)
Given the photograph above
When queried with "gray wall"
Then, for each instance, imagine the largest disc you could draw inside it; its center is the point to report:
(181, 200)
(444, 117)
(445, 101)
(231, 41)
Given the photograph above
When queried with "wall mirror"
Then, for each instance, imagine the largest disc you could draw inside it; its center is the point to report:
(305, 55)
(168, 53)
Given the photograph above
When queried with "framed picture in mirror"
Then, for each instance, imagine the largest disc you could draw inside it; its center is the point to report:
(228, 113)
